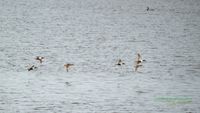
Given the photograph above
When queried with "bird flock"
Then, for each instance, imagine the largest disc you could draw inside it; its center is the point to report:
(137, 63)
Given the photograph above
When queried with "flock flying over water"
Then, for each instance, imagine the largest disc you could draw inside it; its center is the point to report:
(137, 63)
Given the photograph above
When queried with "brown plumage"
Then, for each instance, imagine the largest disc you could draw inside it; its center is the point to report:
(67, 66)
(138, 62)
(138, 59)
(39, 58)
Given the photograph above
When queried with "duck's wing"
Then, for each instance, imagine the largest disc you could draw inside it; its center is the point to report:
(137, 66)
(139, 57)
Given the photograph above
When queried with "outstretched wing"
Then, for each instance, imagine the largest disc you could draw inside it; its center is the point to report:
(139, 56)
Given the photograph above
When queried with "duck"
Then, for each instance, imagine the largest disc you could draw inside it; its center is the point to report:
(120, 62)
(39, 58)
(148, 9)
(32, 68)
(138, 61)
(67, 66)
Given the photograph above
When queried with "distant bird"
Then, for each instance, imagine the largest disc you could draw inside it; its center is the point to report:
(138, 61)
(67, 66)
(148, 9)
(32, 68)
(67, 83)
(39, 58)
(120, 62)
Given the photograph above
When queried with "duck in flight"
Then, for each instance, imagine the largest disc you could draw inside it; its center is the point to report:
(120, 62)
(148, 9)
(138, 61)
(67, 66)
(32, 68)
(39, 58)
